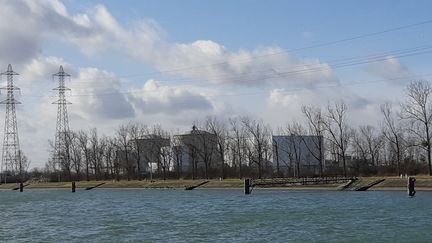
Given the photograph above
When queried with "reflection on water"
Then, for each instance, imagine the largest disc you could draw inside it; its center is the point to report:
(213, 215)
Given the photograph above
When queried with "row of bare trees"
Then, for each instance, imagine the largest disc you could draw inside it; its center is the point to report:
(15, 169)
(399, 144)
(90, 156)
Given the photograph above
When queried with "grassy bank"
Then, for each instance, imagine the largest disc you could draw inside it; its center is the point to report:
(173, 184)
(390, 183)
(156, 184)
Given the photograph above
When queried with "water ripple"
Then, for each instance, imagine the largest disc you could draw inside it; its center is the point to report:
(213, 215)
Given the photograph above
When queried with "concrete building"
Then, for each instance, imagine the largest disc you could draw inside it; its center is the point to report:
(153, 150)
(298, 155)
(197, 150)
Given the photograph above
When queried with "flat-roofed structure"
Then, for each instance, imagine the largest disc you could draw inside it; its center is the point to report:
(197, 151)
(152, 150)
(298, 156)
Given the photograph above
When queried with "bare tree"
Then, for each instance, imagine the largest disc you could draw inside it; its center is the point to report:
(190, 144)
(94, 150)
(136, 132)
(259, 138)
(22, 166)
(417, 109)
(296, 131)
(124, 150)
(106, 155)
(205, 146)
(201, 148)
(368, 145)
(177, 156)
(360, 146)
(160, 150)
(83, 143)
(393, 133)
(193, 153)
(219, 129)
(166, 159)
(374, 143)
(114, 158)
(61, 156)
(339, 132)
(76, 155)
(316, 126)
(238, 144)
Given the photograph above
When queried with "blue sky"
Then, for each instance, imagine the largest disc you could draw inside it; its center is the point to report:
(286, 24)
(224, 58)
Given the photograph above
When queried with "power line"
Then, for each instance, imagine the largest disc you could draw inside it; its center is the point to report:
(339, 62)
(264, 91)
(324, 87)
(349, 61)
(402, 53)
(307, 47)
(329, 43)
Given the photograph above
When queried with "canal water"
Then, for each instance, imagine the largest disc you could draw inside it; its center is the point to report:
(134, 215)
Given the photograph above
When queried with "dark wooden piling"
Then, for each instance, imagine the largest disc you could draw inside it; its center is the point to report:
(247, 186)
(21, 187)
(73, 186)
(411, 186)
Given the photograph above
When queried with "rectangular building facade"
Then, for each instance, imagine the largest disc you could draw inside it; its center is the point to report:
(197, 151)
(298, 156)
(153, 149)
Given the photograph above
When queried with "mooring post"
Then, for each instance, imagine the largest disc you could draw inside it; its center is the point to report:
(21, 187)
(411, 186)
(247, 186)
(73, 186)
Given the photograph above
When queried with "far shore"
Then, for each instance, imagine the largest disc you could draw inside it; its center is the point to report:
(423, 183)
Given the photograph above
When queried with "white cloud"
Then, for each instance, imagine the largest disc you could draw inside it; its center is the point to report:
(155, 98)
(25, 25)
(284, 105)
(279, 97)
(97, 94)
(36, 74)
(315, 97)
(97, 31)
(392, 69)
(219, 65)
(103, 33)
(102, 99)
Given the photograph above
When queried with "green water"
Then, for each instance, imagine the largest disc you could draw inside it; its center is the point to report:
(214, 215)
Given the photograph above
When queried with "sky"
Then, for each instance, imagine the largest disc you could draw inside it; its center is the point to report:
(176, 62)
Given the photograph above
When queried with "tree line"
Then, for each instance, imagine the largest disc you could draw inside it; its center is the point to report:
(243, 146)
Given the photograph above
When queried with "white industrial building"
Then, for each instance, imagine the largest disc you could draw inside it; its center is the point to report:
(196, 149)
(153, 151)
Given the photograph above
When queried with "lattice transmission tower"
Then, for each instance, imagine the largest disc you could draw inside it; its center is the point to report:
(11, 154)
(62, 136)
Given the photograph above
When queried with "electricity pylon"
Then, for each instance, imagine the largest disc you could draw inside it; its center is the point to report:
(11, 154)
(62, 136)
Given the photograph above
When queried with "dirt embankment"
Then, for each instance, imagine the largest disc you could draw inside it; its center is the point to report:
(390, 183)
(161, 184)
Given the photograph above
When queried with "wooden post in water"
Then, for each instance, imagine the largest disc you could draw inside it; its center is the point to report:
(411, 186)
(73, 186)
(247, 186)
(21, 187)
